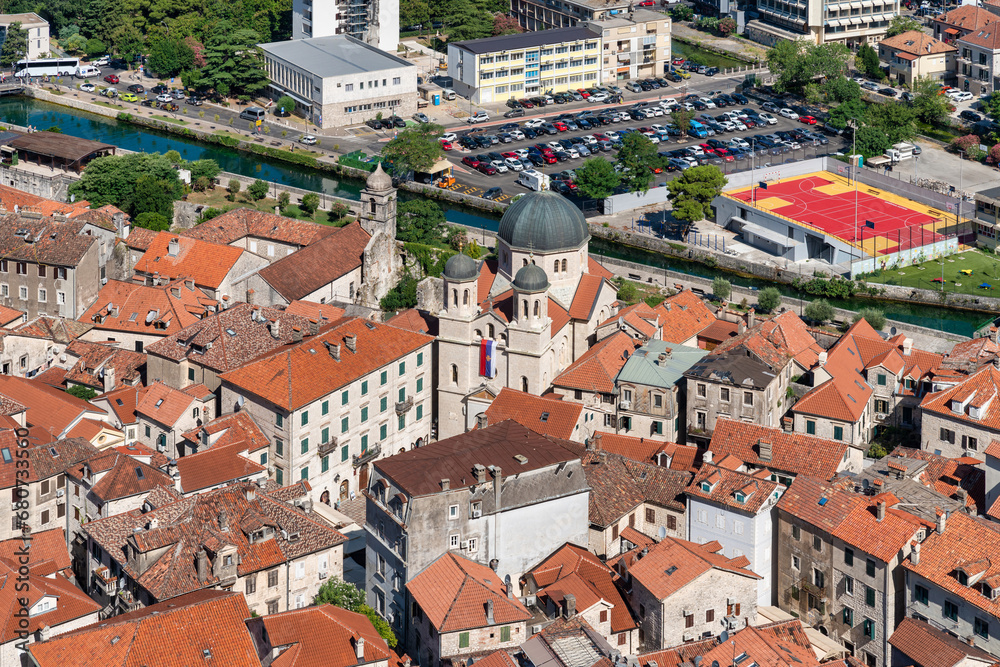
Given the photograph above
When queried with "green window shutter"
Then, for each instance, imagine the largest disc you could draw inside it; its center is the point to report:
(305, 418)
(279, 476)
(420, 358)
(279, 446)
(345, 397)
(869, 596)
(402, 394)
(305, 472)
(811, 427)
(383, 431)
(325, 463)
(838, 432)
(384, 404)
(364, 414)
(345, 423)
(326, 408)
(384, 377)
(402, 368)
(279, 420)
(263, 458)
(402, 422)
(505, 633)
(463, 640)
(191, 374)
(420, 412)
(420, 385)
(364, 387)
(305, 445)
(343, 453)
(326, 435)
(364, 444)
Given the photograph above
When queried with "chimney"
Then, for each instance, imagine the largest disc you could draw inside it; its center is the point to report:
(915, 552)
(497, 485)
(941, 519)
(250, 491)
(880, 511)
(570, 603)
(313, 327)
(740, 327)
(764, 448)
(44, 633)
(751, 318)
(334, 350)
(480, 470)
(359, 648)
(25, 531)
(482, 421)
(706, 456)
(250, 293)
(351, 342)
(154, 523)
(489, 612)
(821, 359)
(202, 565)
(174, 247)
(907, 346)
(176, 291)
(297, 334)
(445, 484)
(275, 327)
(109, 378)
(224, 521)
(661, 359)
(156, 278)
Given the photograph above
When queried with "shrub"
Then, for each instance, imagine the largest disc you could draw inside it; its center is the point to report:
(283, 200)
(874, 317)
(768, 299)
(722, 289)
(233, 188)
(257, 190)
(309, 203)
(627, 291)
(819, 310)
(81, 392)
(965, 143)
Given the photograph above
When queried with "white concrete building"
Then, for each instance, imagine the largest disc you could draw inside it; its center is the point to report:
(37, 30)
(339, 80)
(374, 22)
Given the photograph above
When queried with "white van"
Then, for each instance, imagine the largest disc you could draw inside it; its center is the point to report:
(533, 180)
(448, 94)
(87, 72)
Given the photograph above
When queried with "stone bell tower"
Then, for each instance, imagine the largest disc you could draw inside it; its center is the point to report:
(378, 204)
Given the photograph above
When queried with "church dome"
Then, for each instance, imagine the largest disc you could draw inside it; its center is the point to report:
(531, 278)
(543, 222)
(460, 268)
(379, 181)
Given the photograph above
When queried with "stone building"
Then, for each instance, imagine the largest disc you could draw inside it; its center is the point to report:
(962, 420)
(539, 305)
(164, 414)
(264, 234)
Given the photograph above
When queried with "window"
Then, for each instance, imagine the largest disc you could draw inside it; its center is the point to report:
(950, 610)
(305, 445)
(796, 563)
(848, 617)
(881, 379)
(650, 515)
(817, 543)
(869, 627)
(869, 596)
(982, 628)
(748, 398)
(505, 633)
(848, 556)
(689, 621)
(453, 512)
(849, 585)
(42, 295)
(61, 298)
(22, 292)
(383, 431)
(420, 412)
(604, 616)
(60, 273)
(701, 390)
(251, 584)
(724, 394)
(420, 384)
(279, 445)
(796, 533)
(920, 594)
(364, 388)
(811, 427)
(22, 268)
(402, 368)
(671, 522)
(305, 418)
(463, 640)
(948, 436)
(279, 420)
(345, 424)
(324, 464)
(838, 432)
(870, 567)
(384, 377)
(279, 476)
(304, 474)
(272, 607)
(401, 422)
(420, 359)
(364, 414)
(345, 453)
(325, 435)
(402, 394)
(383, 403)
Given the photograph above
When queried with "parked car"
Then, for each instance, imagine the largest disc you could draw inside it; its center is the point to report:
(770, 106)
(808, 120)
(308, 140)
(478, 117)
(788, 113)
(960, 96)
(421, 118)
(112, 78)
(493, 194)
(131, 97)
(87, 87)
(514, 113)
(137, 89)
(970, 116)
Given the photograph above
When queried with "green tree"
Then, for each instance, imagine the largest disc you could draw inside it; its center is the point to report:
(81, 392)
(76, 43)
(414, 149)
(692, 192)
(154, 195)
(95, 48)
(796, 63)
(68, 31)
(341, 594)
(627, 291)
(338, 212)
(257, 190)
(682, 119)
(136, 183)
(819, 310)
(400, 297)
(381, 625)
(635, 158)
(896, 121)
(708, 24)
(768, 299)
(841, 89)
(204, 169)
(309, 203)
(867, 61)
(414, 12)
(285, 102)
(170, 57)
(928, 105)
(128, 41)
(846, 114)
(283, 200)
(876, 451)
(812, 93)
(233, 63)
(466, 20)
(15, 46)
(900, 24)
(233, 188)
(727, 26)
(682, 13)
(722, 289)
(154, 221)
(421, 221)
(991, 105)
(874, 317)
(597, 178)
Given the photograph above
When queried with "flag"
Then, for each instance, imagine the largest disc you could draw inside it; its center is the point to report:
(488, 358)
(762, 185)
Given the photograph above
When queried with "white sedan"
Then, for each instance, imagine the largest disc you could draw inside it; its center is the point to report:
(788, 113)
(499, 166)
(87, 87)
(516, 135)
(597, 97)
(513, 164)
(449, 137)
(164, 97)
(534, 122)
(768, 118)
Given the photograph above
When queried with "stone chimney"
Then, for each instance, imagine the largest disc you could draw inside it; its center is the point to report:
(275, 326)
(751, 318)
(359, 648)
(224, 521)
(569, 601)
(176, 291)
(250, 294)
(44, 633)
(821, 359)
(351, 341)
(109, 378)
(497, 473)
(482, 421)
(907, 346)
(201, 563)
(706, 456)
(334, 350)
(489, 612)
(915, 552)
(297, 334)
(740, 327)
(764, 448)
(880, 511)
(313, 327)
(173, 247)
(445, 484)
(941, 519)
(480, 471)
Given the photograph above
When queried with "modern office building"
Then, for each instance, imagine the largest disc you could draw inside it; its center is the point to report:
(822, 21)
(340, 80)
(374, 22)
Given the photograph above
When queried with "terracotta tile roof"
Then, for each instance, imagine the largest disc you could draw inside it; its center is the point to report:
(235, 428)
(685, 560)
(568, 642)
(44, 464)
(304, 372)
(25, 201)
(123, 402)
(725, 484)
(70, 602)
(719, 331)
(89, 429)
(54, 377)
(573, 569)
(794, 453)
(630, 534)
(412, 319)
(188, 626)
(207, 264)
(315, 311)
(420, 471)
(10, 316)
(242, 222)
(546, 416)
(585, 297)
(781, 644)
(163, 404)
(95, 360)
(852, 517)
(594, 267)
(220, 464)
(453, 592)
(140, 238)
(58, 329)
(929, 647)
(967, 18)
(497, 659)
(141, 452)
(918, 43)
(647, 450)
(306, 270)
(487, 275)
(595, 371)
(775, 341)
(947, 476)
(132, 304)
(48, 552)
(50, 410)
(324, 636)
(969, 355)
(210, 519)
(231, 338)
(52, 242)
(618, 485)
(964, 540)
(843, 398)
(639, 316)
(981, 388)
(118, 475)
(683, 316)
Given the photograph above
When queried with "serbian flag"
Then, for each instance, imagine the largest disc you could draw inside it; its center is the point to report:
(488, 358)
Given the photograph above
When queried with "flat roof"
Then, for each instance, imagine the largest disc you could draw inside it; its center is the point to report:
(335, 55)
(28, 18)
(625, 19)
(526, 40)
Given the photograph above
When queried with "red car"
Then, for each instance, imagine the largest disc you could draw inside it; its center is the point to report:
(470, 162)
(678, 61)
(549, 158)
(510, 154)
(446, 145)
(645, 3)
(708, 149)
(656, 170)
(583, 93)
(808, 120)
(487, 168)
(111, 78)
(559, 125)
(527, 104)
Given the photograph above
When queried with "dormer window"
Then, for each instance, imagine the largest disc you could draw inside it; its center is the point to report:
(963, 578)
(706, 487)
(740, 498)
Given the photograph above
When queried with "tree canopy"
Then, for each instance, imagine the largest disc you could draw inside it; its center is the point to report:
(692, 192)
(414, 149)
(136, 183)
(170, 57)
(233, 63)
(796, 63)
(928, 104)
(15, 46)
(421, 221)
(597, 178)
(900, 24)
(635, 158)
(867, 61)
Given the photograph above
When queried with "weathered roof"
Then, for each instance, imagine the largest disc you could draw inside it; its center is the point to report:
(56, 144)
(542, 221)
(618, 485)
(243, 222)
(724, 484)
(542, 414)
(596, 369)
(917, 43)
(659, 364)
(791, 452)
(686, 561)
(298, 275)
(927, 646)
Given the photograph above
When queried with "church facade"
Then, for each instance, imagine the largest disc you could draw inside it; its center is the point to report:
(521, 319)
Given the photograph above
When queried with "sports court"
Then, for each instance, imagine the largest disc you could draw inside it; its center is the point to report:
(880, 222)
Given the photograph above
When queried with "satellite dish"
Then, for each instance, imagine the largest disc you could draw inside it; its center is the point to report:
(722, 638)
(663, 532)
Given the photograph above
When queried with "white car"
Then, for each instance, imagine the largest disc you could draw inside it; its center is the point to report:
(687, 106)
(534, 123)
(657, 128)
(767, 118)
(788, 113)
(695, 150)
(727, 125)
(739, 142)
(612, 135)
(573, 153)
(308, 140)
(513, 165)
(87, 87)
(478, 117)
(707, 101)
(656, 111)
(449, 137)
(589, 139)
(597, 97)
(521, 153)
(960, 96)
(516, 135)
(164, 97)
(500, 166)
(652, 137)
(555, 145)
(739, 125)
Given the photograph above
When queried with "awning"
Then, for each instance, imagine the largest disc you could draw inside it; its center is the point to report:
(906, 56)
(951, 31)
(285, 91)
(774, 237)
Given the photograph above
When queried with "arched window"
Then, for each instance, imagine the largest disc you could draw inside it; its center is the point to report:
(479, 334)
(373, 205)
(524, 308)
(525, 262)
(555, 266)
(524, 384)
(532, 261)
(454, 374)
(564, 265)
(454, 297)
(489, 330)
(536, 308)
(465, 298)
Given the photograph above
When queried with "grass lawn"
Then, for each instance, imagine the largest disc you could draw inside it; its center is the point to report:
(217, 198)
(985, 269)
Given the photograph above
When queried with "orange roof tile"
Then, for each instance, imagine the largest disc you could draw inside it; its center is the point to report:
(10, 316)
(967, 18)
(207, 264)
(917, 43)
(71, 603)
(119, 475)
(725, 483)
(315, 311)
(982, 386)
(683, 316)
(594, 267)
(927, 646)
(647, 450)
(155, 311)
(794, 453)
(215, 466)
(240, 223)
(781, 644)
(584, 300)
(412, 319)
(323, 636)
(162, 403)
(307, 270)
(542, 415)
(687, 561)
(595, 371)
(48, 552)
(453, 592)
(49, 409)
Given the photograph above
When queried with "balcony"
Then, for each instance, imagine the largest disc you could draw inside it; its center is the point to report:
(107, 582)
(404, 406)
(370, 455)
(328, 447)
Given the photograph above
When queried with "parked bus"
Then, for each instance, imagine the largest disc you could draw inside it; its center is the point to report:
(46, 67)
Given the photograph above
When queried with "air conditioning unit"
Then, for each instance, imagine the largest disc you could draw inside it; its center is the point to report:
(880, 415)
(733, 623)
(730, 600)
(160, 447)
(323, 574)
(60, 493)
(625, 405)
(687, 612)
(465, 544)
(689, 637)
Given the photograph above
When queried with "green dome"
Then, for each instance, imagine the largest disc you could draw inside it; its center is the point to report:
(543, 222)
(531, 278)
(460, 268)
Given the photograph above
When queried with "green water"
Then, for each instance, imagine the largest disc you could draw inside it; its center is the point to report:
(701, 56)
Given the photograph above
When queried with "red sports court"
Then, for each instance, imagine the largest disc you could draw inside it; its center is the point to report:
(884, 223)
